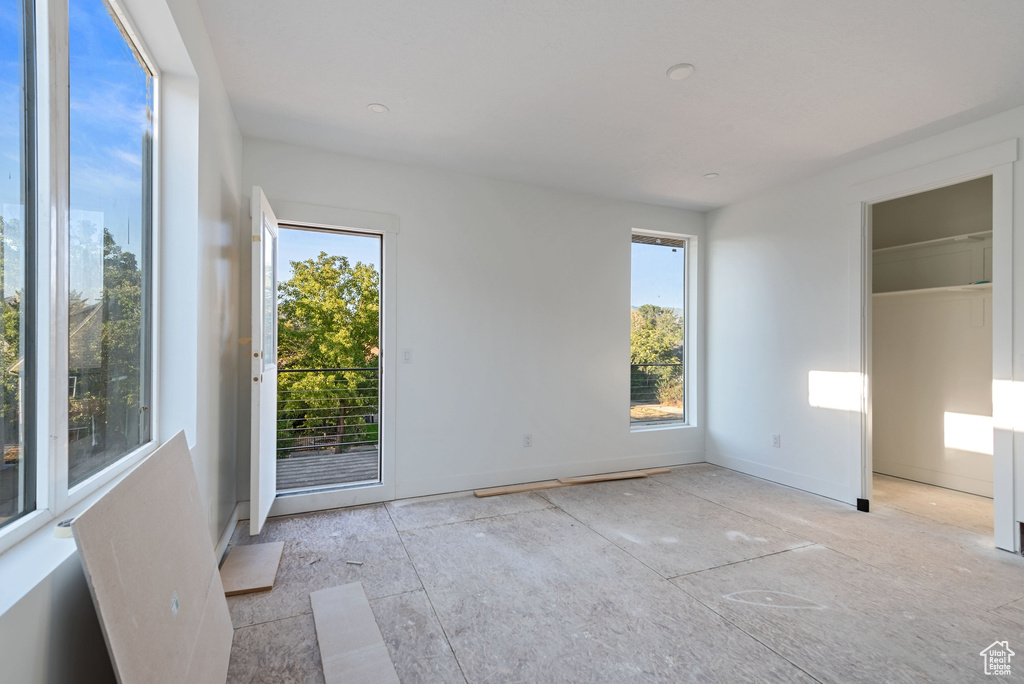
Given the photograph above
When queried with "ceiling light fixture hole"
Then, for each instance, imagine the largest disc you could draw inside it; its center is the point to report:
(377, 108)
(679, 71)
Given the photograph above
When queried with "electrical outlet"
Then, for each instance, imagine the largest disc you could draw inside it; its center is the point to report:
(527, 441)
(777, 441)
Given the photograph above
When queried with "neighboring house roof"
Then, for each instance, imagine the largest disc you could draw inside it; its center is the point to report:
(86, 326)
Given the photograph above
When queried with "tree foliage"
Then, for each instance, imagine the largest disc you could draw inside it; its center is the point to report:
(105, 347)
(328, 318)
(656, 335)
(656, 355)
(328, 314)
(11, 269)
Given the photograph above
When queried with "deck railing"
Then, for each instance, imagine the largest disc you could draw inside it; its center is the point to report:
(655, 392)
(327, 410)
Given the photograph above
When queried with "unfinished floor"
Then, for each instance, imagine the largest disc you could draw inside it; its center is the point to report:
(702, 575)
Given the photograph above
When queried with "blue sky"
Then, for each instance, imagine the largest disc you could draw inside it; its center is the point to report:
(10, 139)
(298, 245)
(657, 276)
(111, 96)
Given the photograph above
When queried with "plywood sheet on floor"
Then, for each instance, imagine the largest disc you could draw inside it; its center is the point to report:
(351, 646)
(151, 569)
(251, 568)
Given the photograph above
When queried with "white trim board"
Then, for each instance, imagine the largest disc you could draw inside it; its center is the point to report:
(996, 160)
(937, 174)
(812, 485)
(447, 485)
(229, 530)
(319, 216)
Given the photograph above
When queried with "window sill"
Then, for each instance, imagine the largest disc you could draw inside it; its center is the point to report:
(29, 551)
(32, 559)
(656, 427)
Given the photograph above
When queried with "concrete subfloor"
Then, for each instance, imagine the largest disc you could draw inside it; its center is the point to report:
(949, 506)
(703, 574)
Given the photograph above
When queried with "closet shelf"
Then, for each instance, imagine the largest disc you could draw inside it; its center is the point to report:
(975, 287)
(981, 235)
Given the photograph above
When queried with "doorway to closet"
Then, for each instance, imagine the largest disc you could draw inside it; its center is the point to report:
(932, 353)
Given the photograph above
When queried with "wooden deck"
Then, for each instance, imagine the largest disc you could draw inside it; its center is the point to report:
(319, 469)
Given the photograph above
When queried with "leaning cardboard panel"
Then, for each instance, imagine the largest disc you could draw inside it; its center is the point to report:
(153, 575)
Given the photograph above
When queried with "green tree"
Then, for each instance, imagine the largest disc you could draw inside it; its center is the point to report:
(107, 366)
(328, 317)
(11, 270)
(656, 337)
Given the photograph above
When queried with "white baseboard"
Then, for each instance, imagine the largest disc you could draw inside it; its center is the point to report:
(460, 483)
(289, 505)
(832, 490)
(934, 477)
(225, 536)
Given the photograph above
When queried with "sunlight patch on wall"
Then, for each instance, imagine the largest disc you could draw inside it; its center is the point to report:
(968, 432)
(840, 390)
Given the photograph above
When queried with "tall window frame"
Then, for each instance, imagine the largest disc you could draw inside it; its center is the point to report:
(660, 330)
(17, 283)
(54, 493)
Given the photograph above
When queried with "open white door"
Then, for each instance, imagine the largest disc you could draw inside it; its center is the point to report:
(263, 437)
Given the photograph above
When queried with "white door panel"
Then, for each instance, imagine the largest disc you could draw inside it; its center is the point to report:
(263, 487)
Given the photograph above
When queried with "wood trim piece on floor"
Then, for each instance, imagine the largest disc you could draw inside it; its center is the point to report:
(568, 481)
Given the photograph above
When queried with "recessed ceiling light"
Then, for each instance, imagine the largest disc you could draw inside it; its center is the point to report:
(377, 108)
(679, 71)
(710, 176)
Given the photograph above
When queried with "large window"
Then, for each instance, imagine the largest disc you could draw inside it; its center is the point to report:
(111, 143)
(87, 288)
(17, 254)
(657, 321)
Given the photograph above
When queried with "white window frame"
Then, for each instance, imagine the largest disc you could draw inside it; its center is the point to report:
(54, 499)
(690, 338)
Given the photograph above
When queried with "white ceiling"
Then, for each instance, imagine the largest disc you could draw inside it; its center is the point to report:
(573, 94)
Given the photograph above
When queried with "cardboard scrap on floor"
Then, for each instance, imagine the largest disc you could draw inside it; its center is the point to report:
(251, 568)
(351, 647)
(568, 481)
(150, 565)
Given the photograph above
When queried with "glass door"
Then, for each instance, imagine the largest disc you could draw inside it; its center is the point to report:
(328, 386)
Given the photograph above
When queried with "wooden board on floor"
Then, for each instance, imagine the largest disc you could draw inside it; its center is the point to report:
(516, 488)
(251, 568)
(586, 479)
(150, 565)
(351, 647)
(657, 471)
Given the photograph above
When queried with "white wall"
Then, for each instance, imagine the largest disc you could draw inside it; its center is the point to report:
(51, 633)
(932, 353)
(214, 448)
(514, 300)
(784, 292)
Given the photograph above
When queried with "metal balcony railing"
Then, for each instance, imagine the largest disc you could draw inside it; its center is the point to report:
(656, 392)
(327, 410)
